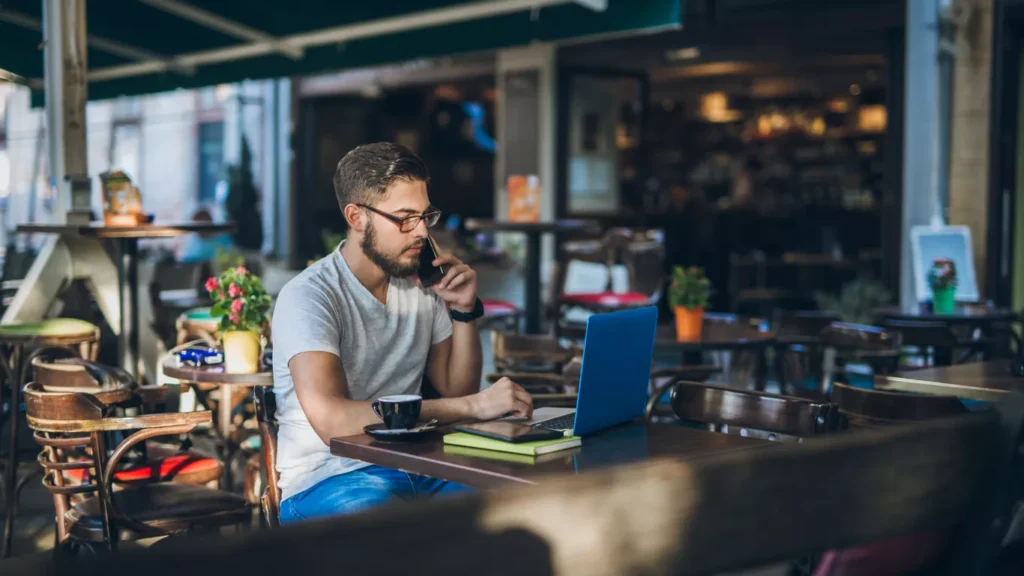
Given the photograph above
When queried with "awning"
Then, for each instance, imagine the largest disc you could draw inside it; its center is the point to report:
(158, 45)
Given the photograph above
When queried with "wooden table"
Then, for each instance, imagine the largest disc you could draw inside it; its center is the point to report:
(963, 314)
(987, 381)
(126, 238)
(720, 332)
(226, 383)
(533, 232)
(484, 469)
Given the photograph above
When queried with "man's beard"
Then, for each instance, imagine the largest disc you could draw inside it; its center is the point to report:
(391, 266)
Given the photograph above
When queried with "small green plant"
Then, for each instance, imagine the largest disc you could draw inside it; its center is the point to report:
(689, 289)
(331, 240)
(857, 302)
(225, 259)
(942, 274)
(239, 300)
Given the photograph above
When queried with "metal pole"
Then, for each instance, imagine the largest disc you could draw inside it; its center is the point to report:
(947, 60)
(66, 94)
(54, 85)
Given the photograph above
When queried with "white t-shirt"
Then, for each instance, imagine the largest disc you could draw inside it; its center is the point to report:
(383, 349)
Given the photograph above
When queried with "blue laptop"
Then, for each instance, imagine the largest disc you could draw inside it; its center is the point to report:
(615, 375)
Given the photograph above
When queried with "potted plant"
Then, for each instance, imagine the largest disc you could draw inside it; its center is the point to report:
(688, 295)
(242, 304)
(858, 302)
(942, 278)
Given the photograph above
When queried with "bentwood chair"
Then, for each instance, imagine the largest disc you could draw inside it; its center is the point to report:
(19, 345)
(266, 417)
(97, 512)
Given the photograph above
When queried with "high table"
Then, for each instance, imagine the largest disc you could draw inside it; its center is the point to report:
(226, 383)
(986, 381)
(126, 239)
(486, 469)
(533, 232)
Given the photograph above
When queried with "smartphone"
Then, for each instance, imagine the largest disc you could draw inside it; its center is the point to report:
(510, 431)
(428, 273)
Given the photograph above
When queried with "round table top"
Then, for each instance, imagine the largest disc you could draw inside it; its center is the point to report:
(478, 225)
(56, 330)
(150, 230)
(215, 374)
(720, 332)
(963, 314)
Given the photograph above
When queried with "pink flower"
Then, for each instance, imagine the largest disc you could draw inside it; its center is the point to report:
(211, 284)
(236, 306)
(234, 291)
(241, 270)
(234, 318)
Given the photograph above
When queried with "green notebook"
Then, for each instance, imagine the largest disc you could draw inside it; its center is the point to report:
(525, 448)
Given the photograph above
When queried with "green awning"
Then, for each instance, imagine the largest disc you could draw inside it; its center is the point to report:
(138, 47)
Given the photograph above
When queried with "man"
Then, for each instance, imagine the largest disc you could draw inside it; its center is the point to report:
(357, 325)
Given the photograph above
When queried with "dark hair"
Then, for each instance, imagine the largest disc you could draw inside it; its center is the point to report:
(365, 173)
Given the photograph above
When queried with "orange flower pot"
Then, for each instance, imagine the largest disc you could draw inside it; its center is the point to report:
(689, 324)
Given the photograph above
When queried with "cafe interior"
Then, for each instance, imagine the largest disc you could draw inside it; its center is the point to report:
(720, 199)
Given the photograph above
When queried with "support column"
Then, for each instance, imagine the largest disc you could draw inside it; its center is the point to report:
(969, 145)
(65, 51)
(527, 80)
(921, 171)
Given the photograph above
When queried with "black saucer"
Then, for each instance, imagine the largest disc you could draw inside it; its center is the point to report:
(382, 433)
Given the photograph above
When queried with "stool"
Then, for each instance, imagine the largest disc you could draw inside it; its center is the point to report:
(79, 337)
(197, 324)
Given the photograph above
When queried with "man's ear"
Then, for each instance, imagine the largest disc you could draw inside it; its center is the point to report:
(354, 216)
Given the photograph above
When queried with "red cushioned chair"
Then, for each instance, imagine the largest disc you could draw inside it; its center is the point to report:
(69, 422)
(500, 312)
(113, 387)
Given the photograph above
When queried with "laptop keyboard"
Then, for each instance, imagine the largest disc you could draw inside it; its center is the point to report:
(560, 423)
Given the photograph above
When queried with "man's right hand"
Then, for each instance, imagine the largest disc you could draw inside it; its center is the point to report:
(502, 398)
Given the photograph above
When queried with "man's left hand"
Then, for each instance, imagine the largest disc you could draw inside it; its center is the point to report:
(458, 286)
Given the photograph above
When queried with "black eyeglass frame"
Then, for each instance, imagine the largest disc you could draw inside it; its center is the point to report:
(430, 218)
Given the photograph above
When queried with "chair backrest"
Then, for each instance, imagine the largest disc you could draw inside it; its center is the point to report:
(669, 515)
(937, 337)
(757, 413)
(66, 422)
(266, 419)
(857, 337)
(513, 351)
(867, 407)
(805, 323)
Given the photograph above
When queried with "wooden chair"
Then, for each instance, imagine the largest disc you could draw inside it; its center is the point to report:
(95, 512)
(799, 354)
(718, 514)
(862, 343)
(867, 407)
(115, 388)
(528, 353)
(547, 389)
(755, 414)
(934, 342)
(19, 345)
(266, 416)
(499, 313)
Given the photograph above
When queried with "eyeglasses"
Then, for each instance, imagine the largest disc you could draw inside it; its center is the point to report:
(409, 223)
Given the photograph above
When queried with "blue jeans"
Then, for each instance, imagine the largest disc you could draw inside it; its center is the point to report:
(362, 489)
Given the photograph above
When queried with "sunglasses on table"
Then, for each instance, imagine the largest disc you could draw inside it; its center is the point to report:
(408, 223)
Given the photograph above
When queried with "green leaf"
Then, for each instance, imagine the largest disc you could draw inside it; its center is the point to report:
(217, 310)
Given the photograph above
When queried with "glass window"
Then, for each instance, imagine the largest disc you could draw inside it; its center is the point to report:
(211, 159)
